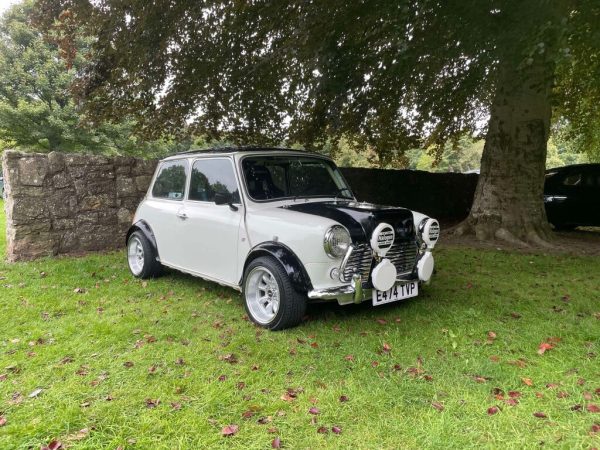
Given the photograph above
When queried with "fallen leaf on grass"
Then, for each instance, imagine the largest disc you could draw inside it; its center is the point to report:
(593, 408)
(544, 346)
(81, 434)
(16, 399)
(595, 428)
(577, 407)
(480, 379)
(276, 443)
(314, 411)
(322, 430)
(511, 401)
(54, 445)
(527, 381)
(562, 394)
(229, 430)
(540, 415)
(491, 336)
(386, 347)
(493, 410)
(176, 406)
(335, 429)
(520, 363)
(381, 321)
(150, 403)
(79, 290)
(343, 398)
(230, 358)
(2, 421)
(3, 376)
(248, 414)
(35, 393)
(128, 364)
(587, 395)
(349, 357)
(514, 394)
(438, 406)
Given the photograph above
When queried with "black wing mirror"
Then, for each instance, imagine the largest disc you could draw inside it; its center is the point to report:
(225, 198)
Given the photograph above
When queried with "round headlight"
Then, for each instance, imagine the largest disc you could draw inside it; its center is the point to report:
(336, 242)
(429, 231)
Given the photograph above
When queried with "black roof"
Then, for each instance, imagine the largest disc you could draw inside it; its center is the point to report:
(575, 166)
(243, 148)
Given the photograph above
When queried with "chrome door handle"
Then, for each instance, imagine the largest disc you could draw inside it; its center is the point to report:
(182, 215)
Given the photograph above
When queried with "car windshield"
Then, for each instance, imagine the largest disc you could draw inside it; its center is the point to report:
(277, 177)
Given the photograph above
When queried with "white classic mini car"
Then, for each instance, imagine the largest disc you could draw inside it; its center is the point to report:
(281, 226)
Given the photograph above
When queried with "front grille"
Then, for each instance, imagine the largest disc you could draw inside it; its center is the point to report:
(403, 255)
(359, 262)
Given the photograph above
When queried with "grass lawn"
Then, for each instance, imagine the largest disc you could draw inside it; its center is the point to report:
(168, 363)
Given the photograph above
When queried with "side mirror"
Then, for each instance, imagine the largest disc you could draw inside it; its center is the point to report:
(222, 198)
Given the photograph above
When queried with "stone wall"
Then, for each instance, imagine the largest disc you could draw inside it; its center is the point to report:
(66, 203)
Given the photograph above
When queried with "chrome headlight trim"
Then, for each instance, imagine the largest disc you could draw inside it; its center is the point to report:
(429, 231)
(336, 241)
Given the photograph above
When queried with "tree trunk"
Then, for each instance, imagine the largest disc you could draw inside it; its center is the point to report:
(508, 203)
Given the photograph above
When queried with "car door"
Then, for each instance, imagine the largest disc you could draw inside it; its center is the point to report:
(590, 197)
(211, 231)
(164, 209)
(568, 197)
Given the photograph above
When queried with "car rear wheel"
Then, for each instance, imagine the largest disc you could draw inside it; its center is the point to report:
(141, 257)
(269, 297)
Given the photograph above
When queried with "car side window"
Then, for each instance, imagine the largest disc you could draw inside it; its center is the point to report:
(211, 176)
(573, 179)
(170, 181)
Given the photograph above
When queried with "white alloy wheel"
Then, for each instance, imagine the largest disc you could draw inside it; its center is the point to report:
(262, 295)
(135, 255)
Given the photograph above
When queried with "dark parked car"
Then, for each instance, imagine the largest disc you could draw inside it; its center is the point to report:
(572, 196)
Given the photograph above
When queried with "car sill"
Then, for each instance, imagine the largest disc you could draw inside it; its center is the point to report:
(204, 277)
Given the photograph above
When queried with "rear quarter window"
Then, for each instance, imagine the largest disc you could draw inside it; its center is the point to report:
(170, 181)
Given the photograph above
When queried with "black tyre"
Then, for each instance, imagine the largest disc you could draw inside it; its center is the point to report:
(141, 257)
(269, 297)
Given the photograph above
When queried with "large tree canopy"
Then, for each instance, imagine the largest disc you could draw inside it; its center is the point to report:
(389, 74)
(37, 110)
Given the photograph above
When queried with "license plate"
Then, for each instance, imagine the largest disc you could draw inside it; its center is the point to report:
(398, 292)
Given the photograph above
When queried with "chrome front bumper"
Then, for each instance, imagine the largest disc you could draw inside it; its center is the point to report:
(352, 293)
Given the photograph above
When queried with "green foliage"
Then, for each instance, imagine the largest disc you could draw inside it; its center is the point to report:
(384, 74)
(144, 364)
(37, 110)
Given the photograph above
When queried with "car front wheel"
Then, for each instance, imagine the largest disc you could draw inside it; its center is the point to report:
(141, 257)
(269, 297)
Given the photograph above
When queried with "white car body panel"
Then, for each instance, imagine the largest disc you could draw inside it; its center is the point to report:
(214, 241)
